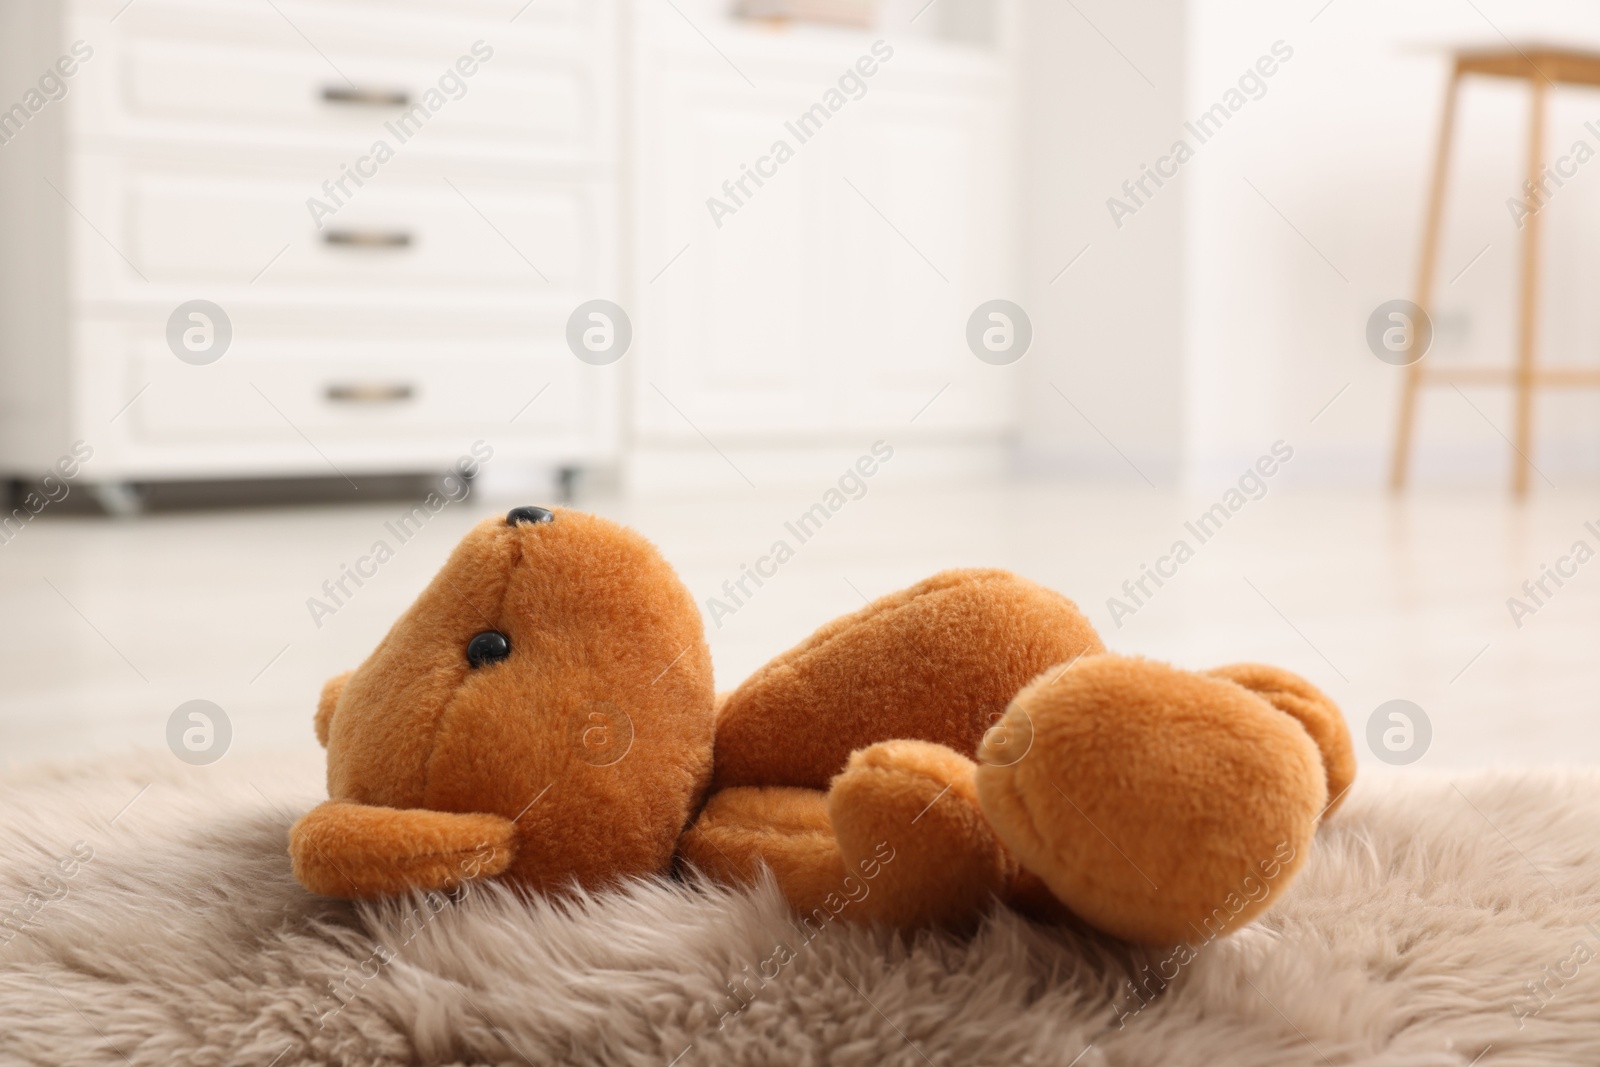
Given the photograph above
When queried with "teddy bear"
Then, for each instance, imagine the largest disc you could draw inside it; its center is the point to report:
(545, 714)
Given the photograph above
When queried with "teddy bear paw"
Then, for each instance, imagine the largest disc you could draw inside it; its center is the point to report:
(1318, 715)
(361, 851)
(909, 827)
(1159, 805)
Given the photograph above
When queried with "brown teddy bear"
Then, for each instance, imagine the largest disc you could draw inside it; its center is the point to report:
(545, 712)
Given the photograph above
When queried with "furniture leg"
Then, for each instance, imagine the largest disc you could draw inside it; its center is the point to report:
(1527, 333)
(1424, 293)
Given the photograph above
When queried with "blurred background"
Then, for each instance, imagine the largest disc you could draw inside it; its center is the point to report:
(282, 282)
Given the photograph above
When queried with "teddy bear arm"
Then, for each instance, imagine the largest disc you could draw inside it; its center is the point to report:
(360, 851)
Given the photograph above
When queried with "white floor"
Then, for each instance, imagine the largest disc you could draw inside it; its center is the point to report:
(110, 624)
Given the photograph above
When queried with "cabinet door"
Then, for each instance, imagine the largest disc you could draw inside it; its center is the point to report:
(830, 298)
(917, 238)
(729, 331)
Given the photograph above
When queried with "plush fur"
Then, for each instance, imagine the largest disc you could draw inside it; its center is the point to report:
(966, 739)
(1435, 919)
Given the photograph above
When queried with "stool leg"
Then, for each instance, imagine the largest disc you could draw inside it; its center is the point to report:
(1424, 292)
(1527, 333)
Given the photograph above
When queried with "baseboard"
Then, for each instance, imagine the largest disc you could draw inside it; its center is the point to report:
(696, 469)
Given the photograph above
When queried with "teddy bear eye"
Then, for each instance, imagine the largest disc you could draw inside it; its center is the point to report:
(491, 646)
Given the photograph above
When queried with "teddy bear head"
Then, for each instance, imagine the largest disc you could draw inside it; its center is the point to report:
(554, 673)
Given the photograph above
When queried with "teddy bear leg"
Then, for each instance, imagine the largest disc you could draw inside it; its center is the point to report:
(360, 851)
(910, 829)
(898, 838)
(1316, 713)
(1159, 805)
(782, 828)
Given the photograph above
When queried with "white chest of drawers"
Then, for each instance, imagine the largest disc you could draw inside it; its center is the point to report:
(388, 307)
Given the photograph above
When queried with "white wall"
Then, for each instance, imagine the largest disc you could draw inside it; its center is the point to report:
(1207, 327)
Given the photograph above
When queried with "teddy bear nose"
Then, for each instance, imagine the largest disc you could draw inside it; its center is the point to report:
(529, 514)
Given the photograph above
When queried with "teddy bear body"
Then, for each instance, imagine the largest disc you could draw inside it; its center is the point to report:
(974, 728)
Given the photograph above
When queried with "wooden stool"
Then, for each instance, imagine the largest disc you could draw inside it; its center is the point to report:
(1542, 68)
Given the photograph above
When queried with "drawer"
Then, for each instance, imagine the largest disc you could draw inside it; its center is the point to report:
(333, 76)
(410, 236)
(545, 14)
(295, 399)
(357, 390)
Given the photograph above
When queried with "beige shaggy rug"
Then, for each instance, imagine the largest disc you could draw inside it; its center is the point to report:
(149, 918)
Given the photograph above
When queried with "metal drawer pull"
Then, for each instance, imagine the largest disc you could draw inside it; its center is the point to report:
(369, 393)
(367, 238)
(368, 97)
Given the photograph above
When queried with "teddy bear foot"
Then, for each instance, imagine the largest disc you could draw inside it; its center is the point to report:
(361, 851)
(898, 839)
(784, 829)
(908, 824)
(1159, 805)
(1318, 715)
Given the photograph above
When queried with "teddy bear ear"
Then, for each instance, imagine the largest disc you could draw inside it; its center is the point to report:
(332, 689)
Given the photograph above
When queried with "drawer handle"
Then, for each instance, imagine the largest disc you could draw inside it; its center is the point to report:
(356, 96)
(367, 238)
(369, 393)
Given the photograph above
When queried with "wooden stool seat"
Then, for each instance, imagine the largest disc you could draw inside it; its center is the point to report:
(1542, 67)
(1558, 66)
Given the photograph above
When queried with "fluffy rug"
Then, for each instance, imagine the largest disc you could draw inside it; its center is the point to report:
(150, 918)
